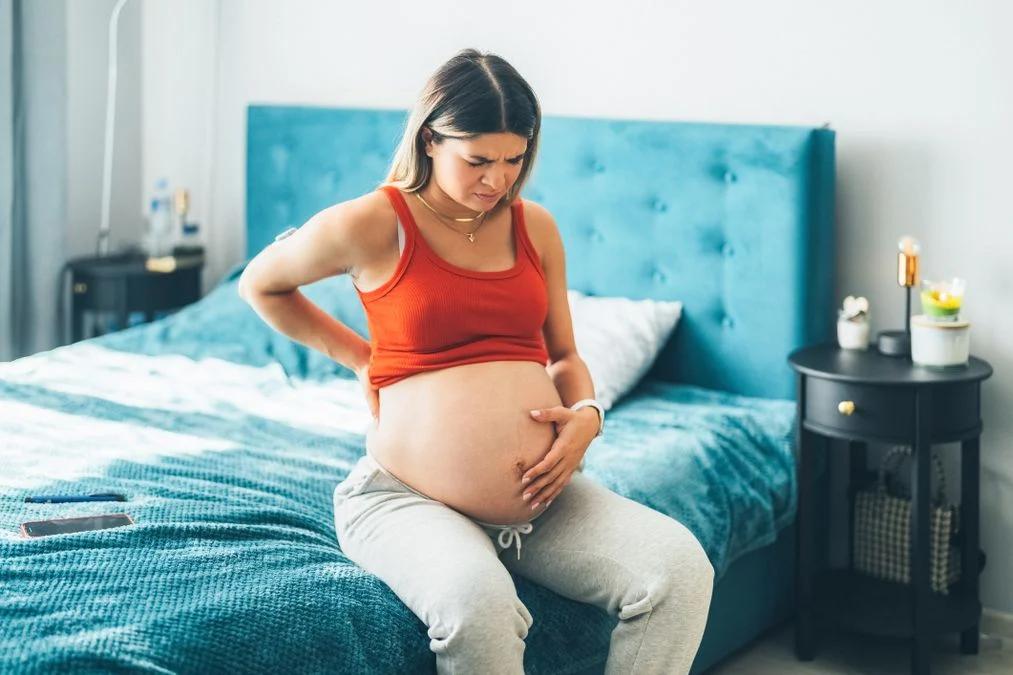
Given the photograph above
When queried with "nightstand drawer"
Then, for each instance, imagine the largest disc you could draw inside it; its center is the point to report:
(882, 412)
(887, 412)
(97, 293)
(158, 292)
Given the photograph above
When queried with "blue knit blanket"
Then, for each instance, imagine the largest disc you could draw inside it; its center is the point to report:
(228, 439)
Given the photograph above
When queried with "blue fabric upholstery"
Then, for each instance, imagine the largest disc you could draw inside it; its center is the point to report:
(736, 221)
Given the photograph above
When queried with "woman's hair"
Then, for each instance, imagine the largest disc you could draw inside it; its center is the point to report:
(471, 94)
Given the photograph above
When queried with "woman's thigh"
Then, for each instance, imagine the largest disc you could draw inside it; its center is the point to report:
(596, 546)
(441, 564)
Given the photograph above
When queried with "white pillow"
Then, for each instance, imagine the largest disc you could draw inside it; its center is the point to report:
(619, 339)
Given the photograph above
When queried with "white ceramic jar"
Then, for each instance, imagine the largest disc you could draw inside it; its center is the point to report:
(940, 343)
(853, 334)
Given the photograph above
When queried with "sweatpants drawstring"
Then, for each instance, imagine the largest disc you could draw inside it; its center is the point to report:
(513, 532)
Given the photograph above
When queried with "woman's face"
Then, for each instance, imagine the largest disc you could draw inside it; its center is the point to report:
(485, 165)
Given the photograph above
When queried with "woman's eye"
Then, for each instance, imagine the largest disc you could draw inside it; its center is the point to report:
(512, 161)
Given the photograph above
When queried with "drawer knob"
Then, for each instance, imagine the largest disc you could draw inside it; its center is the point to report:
(846, 407)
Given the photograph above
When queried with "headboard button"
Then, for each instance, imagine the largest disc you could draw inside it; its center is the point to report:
(660, 206)
(727, 321)
(730, 177)
(727, 250)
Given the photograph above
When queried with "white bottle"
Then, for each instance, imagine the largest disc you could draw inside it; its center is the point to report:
(158, 240)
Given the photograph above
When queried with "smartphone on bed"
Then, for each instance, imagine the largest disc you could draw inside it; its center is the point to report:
(42, 528)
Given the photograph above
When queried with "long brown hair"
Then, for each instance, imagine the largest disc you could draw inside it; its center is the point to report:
(471, 94)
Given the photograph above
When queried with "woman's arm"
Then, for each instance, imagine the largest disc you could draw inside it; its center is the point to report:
(575, 430)
(293, 314)
(333, 241)
(568, 371)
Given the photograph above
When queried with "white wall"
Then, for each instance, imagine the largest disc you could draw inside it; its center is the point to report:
(918, 91)
(87, 59)
(179, 131)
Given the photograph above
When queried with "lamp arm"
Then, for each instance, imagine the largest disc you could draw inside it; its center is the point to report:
(107, 160)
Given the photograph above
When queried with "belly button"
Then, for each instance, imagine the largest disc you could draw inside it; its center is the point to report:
(519, 468)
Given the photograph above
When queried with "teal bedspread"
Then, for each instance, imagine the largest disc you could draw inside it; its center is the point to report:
(229, 438)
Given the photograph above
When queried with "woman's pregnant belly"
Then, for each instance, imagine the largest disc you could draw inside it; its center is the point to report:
(464, 435)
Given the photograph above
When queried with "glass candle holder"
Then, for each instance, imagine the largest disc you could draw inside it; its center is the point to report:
(941, 300)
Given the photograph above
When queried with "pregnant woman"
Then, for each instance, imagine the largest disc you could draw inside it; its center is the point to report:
(482, 407)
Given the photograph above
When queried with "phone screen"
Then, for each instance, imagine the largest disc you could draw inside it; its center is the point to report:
(42, 528)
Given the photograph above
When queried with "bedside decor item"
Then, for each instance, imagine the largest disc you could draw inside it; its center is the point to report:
(939, 337)
(898, 342)
(188, 242)
(882, 529)
(940, 343)
(853, 323)
(942, 299)
(158, 237)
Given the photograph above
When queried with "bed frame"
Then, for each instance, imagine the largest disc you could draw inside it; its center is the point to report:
(736, 221)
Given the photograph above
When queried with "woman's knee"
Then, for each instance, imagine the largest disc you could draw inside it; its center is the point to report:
(484, 614)
(683, 569)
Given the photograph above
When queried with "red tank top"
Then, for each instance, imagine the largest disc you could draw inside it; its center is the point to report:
(432, 314)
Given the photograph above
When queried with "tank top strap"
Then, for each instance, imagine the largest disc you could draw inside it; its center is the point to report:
(404, 214)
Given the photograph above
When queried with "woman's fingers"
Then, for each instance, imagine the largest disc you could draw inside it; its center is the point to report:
(556, 488)
(547, 463)
(543, 487)
(372, 395)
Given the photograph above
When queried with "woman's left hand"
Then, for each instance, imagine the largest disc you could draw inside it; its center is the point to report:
(575, 431)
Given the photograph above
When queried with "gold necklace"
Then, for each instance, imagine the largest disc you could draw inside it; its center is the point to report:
(469, 235)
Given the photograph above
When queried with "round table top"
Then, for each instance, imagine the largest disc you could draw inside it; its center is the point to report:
(830, 361)
(126, 264)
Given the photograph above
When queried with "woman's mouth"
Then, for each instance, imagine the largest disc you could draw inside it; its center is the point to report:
(486, 198)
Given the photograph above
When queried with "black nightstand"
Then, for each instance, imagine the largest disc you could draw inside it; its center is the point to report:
(123, 284)
(862, 396)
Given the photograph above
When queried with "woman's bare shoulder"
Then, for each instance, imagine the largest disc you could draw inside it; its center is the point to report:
(541, 226)
(368, 220)
(338, 239)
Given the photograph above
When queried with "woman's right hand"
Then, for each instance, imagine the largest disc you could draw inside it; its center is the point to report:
(372, 393)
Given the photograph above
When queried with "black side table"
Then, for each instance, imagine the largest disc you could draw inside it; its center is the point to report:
(862, 396)
(123, 284)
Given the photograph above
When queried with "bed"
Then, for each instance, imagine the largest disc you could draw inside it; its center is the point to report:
(228, 438)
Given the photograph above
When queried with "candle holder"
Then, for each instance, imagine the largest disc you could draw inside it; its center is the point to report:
(898, 342)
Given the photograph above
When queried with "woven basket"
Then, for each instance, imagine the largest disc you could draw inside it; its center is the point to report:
(882, 530)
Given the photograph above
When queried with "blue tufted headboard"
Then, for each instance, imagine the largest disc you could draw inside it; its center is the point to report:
(736, 221)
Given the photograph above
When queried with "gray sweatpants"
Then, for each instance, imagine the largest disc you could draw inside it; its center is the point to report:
(591, 545)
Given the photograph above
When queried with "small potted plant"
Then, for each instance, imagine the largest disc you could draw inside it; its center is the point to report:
(853, 323)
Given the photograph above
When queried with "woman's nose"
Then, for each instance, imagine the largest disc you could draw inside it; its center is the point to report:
(496, 184)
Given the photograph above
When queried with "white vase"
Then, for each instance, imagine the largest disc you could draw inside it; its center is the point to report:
(853, 334)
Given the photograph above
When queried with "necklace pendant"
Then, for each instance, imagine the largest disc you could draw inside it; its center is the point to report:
(471, 237)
